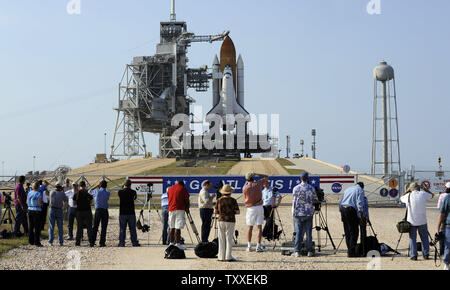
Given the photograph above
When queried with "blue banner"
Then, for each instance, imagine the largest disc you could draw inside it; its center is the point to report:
(285, 184)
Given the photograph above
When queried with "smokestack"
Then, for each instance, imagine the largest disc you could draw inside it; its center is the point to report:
(173, 16)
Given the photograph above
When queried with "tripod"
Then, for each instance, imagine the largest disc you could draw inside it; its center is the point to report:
(321, 224)
(9, 219)
(272, 215)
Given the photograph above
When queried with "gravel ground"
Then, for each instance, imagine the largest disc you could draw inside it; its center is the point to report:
(150, 256)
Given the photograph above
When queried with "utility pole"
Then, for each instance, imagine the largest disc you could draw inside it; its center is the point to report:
(302, 143)
(34, 164)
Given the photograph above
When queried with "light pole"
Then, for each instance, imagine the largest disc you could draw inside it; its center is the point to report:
(105, 143)
(313, 133)
(302, 143)
(34, 164)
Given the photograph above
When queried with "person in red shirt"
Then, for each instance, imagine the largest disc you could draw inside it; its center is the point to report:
(178, 206)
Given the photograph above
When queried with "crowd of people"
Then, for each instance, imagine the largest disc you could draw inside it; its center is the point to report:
(35, 202)
(74, 201)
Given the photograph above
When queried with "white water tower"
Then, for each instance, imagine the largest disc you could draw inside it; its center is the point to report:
(385, 139)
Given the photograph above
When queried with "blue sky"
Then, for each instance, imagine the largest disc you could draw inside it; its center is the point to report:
(310, 61)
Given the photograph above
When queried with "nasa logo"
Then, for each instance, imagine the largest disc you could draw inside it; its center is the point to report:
(384, 192)
(336, 187)
(393, 192)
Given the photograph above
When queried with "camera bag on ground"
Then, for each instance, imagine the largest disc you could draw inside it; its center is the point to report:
(287, 248)
(404, 226)
(372, 244)
(173, 252)
(270, 231)
(207, 250)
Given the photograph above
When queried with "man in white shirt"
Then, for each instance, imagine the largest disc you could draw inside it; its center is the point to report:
(416, 199)
(206, 205)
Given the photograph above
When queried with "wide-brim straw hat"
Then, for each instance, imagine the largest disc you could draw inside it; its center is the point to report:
(226, 189)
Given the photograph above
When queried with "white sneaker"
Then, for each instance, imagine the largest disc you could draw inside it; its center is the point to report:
(180, 247)
(310, 254)
(249, 249)
(297, 255)
(446, 267)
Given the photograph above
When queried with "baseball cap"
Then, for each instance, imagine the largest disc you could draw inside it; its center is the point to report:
(304, 175)
(250, 176)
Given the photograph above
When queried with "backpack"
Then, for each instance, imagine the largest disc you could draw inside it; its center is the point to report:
(404, 226)
(372, 244)
(173, 252)
(207, 250)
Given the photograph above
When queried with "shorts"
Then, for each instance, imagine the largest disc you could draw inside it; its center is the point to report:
(177, 219)
(255, 216)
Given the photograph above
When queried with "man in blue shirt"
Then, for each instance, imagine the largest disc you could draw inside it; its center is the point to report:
(271, 199)
(101, 198)
(303, 197)
(444, 218)
(352, 213)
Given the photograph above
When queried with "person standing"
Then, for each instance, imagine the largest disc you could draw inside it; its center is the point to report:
(444, 219)
(253, 202)
(101, 198)
(352, 206)
(34, 202)
(303, 197)
(20, 203)
(127, 214)
(206, 205)
(66, 207)
(226, 208)
(271, 199)
(82, 199)
(178, 206)
(44, 190)
(72, 214)
(416, 199)
(442, 232)
(57, 200)
(165, 218)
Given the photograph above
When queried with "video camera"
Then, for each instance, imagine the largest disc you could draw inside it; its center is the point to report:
(8, 198)
(218, 187)
(320, 198)
(150, 191)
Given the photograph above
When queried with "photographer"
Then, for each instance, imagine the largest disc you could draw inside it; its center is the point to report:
(255, 211)
(127, 214)
(352, 216)
(303, 197)
(206, 206)
(442, 235)
(416, 198)
(271, 199)
(20, 203)
(444, 219)
(178, 206)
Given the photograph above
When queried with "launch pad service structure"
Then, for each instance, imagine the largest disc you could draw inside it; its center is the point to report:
(154, 89)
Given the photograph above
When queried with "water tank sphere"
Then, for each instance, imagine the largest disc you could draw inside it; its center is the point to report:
(383, 72)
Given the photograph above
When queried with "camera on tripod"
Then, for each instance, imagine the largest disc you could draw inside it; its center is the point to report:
(8, 199)
(218, 187)
(320, 198)
(150, 191)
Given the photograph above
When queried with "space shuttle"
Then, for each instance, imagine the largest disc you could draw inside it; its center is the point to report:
(228, 82)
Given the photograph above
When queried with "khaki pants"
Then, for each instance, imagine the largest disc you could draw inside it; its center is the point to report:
(226, 232)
